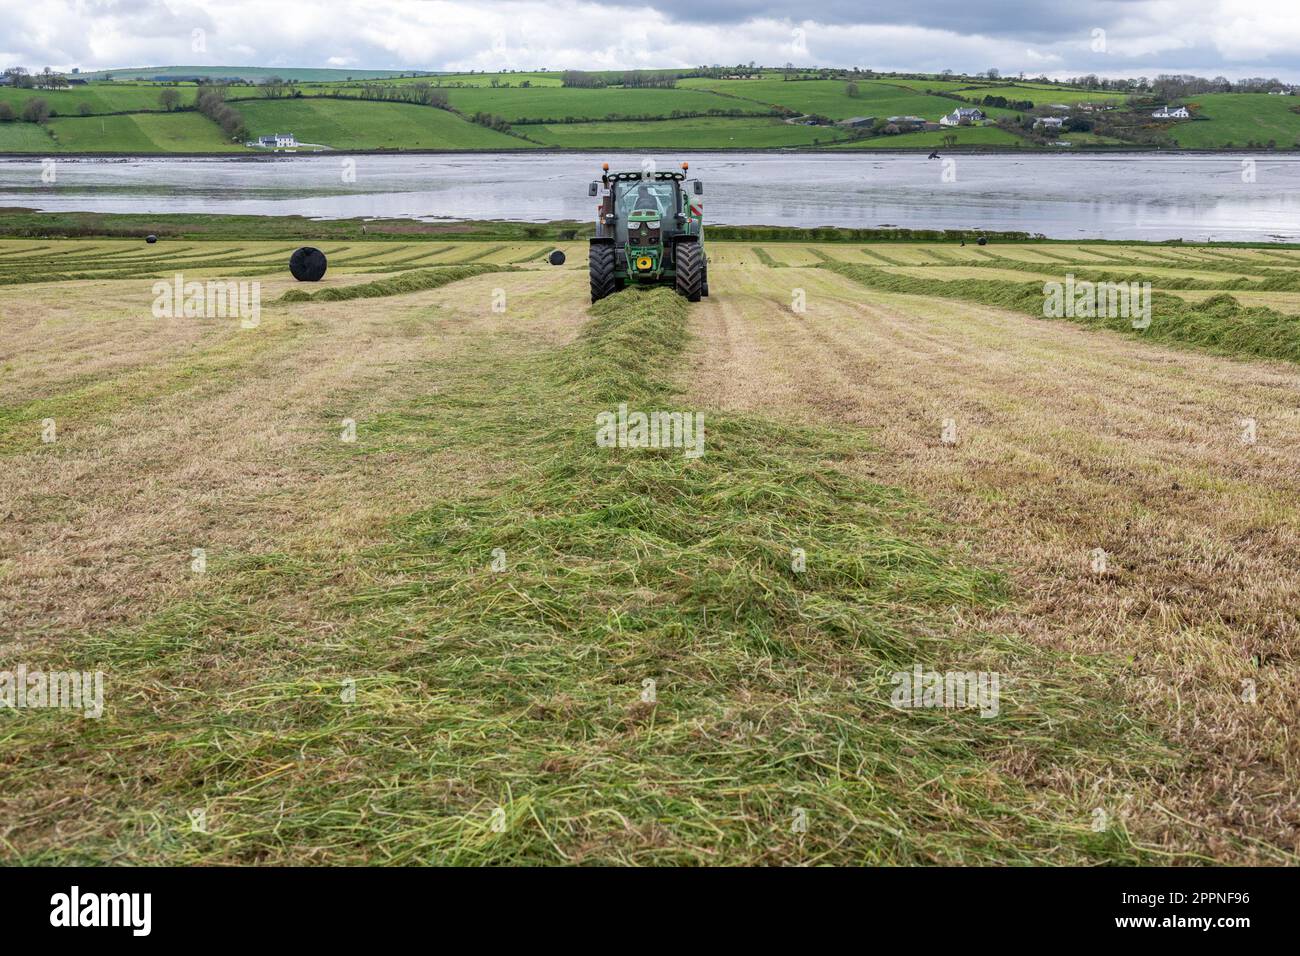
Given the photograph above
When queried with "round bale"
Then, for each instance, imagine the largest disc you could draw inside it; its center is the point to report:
(307, 264)
(556, 258)
(151, 239)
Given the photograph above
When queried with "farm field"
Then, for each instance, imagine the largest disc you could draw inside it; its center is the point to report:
(554, 103)
(100, 97)
(962, 135)
(24, 138)
(712, 132)
(829, 97)
(342, 124)
(1041, 95)
(1239, 119)
(456, 630)
(138, 133)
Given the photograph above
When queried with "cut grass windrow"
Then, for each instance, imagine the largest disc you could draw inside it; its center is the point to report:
(602, 655)
(1219, 324)
(415, 280)
(1269, 279)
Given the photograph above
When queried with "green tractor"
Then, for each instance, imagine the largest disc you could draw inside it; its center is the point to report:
(649, 230)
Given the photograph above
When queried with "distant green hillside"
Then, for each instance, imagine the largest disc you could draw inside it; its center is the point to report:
(245, 73)
(357, 110)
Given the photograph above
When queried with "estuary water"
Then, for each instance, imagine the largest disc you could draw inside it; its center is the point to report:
(1197, 197)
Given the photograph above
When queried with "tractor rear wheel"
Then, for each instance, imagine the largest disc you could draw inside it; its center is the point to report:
(690, 270)
(600, 262)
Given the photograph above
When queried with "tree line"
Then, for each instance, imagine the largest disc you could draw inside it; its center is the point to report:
(211, 102)
(631, 79)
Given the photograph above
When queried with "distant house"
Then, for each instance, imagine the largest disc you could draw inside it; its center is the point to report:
(962, 116)
(856, 122)
(1281, 92)
(76, 81)
(1171, 112)
(1050, 122)
(278, 141)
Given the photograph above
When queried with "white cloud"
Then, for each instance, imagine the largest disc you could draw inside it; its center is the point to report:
(1234, 37)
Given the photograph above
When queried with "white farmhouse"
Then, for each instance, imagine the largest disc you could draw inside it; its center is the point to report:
(1171, 112)
(962, 116)
(278, 141)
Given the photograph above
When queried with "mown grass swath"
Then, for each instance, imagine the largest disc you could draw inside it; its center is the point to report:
(413, 280)
(528, 689)
(1219, 323)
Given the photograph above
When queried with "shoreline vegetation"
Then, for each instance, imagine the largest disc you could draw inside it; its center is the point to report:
(26, 223)
(964, 149)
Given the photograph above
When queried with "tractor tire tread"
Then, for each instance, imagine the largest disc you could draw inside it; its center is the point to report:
(600, 262)
(689, 264)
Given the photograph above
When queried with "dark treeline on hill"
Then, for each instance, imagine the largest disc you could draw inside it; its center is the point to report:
(1003, 103)
(211, 102)
(47, 79)
(1172, 86)
(421, 93)
(632, 79)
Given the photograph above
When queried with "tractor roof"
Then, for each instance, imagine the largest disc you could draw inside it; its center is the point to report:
(677, 176)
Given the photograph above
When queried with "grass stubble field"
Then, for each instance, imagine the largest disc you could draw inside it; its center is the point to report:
(647, 679)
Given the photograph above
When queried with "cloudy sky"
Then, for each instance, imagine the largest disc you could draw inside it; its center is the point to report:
(1234, 38)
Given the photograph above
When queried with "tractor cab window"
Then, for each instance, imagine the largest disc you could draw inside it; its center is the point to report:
(638, 196)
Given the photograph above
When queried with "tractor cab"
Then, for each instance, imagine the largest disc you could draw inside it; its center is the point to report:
(644, 223)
